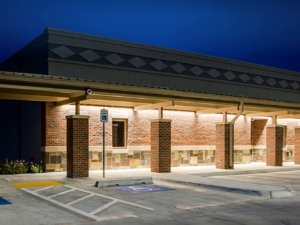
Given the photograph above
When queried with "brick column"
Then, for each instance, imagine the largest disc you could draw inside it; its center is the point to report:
(161, 145)
(77, 146)
(274, 145)
(297, 146)
(223, 146)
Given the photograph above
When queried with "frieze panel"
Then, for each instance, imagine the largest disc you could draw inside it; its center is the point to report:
(121, 60)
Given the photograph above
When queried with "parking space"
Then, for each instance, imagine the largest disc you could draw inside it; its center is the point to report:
(142, 202)
(74, 202)
(83, 202)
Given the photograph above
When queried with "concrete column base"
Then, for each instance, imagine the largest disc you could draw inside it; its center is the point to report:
(161, 145)
(77, 146)
(274, 145)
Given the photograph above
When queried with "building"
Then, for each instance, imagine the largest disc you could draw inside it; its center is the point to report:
(166, 107)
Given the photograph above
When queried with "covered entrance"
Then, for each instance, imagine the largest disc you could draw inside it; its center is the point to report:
(166, 108)
(72, 115)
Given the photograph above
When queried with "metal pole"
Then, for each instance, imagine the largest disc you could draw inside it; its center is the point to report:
(103, 153)
(20, 132)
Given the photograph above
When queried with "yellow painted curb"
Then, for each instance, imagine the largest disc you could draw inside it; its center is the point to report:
(36, 184)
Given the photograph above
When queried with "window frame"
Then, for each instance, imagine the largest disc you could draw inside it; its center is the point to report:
(125, 132)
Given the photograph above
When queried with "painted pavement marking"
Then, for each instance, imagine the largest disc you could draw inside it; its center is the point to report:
(91, 214)
(144, 188)
(61, 193)
(100, 209)
(37, 184)
(44, 188)
(3, 201)
(108, 197)
(80, 199)
(190, 207)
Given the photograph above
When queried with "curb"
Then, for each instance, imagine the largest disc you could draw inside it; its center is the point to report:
(271, 194)
(243, 172)
(124, 182)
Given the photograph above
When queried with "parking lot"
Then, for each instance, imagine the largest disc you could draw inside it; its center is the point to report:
(163, 202)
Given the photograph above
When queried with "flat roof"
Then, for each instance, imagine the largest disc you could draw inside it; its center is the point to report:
(92, 58)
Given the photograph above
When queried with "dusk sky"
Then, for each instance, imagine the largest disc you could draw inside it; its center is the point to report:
(258, 31)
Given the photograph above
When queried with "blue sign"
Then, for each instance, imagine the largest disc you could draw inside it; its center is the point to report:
(104, 115)
(103, 118)
(4, 201)
(143, 188)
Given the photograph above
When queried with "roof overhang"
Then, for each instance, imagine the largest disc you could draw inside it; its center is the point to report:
(65, 90)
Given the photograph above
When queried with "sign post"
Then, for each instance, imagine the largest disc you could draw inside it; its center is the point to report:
(103, 119)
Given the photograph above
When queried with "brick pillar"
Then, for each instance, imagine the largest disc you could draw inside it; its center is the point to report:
(274, 145)
(297, 146)
(77, 146)
(161, 145)
(223, 146)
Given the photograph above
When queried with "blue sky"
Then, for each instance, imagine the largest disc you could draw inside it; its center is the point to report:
(259, 31)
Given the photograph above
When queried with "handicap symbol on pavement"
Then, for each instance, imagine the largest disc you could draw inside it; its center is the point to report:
(143, 188)
(4, 201)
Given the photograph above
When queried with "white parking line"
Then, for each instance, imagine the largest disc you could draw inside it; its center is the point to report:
(91, 214)
(42, 189)
(61, 193)
(80, 212)
(80, 199)
(119, 200)
(189, 207)
(103, 207)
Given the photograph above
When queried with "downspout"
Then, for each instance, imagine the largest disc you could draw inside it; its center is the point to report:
(231, 136)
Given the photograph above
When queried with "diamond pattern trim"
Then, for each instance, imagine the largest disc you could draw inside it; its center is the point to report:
(196, 70)
(214, 73)
(178, 67)
(158, 65)
(244, 77)
(271, 81)
(114, 59)
(283, 83)
(137, 62)
(295, 85)
(229, 75)
(63, 52)
(258, 80)
(89, 55)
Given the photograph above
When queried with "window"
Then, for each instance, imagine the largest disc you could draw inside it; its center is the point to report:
(119, 133)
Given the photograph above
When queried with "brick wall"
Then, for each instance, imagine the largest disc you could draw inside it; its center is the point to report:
(54, 125)
(222, 146)
(258, 132)
(274, 145)
(290, 124)
(77, 146)
(161, 145)
(188, 129)
(297, 145)
(242, 131)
